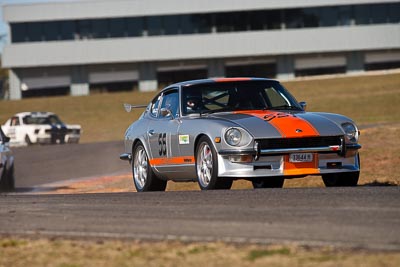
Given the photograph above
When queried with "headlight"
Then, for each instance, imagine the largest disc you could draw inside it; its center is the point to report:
(237, 136)
(233, 136)
(351, 131)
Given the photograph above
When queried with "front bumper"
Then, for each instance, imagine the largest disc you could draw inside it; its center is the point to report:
(275, 162)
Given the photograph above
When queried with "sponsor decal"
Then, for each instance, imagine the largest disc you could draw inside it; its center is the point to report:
(184, 139)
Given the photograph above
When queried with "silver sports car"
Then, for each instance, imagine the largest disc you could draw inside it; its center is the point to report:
(215, 131)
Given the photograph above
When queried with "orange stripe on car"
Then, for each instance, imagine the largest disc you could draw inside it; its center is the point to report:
(218, 80)
(290, 126)
(172, 161)
(287, 124)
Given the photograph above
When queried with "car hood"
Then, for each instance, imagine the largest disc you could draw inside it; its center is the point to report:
(278, 124)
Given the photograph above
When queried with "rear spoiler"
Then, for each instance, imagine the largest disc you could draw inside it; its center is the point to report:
(129, 107)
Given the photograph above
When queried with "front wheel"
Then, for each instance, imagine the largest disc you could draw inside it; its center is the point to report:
(143, 176)
(341, 179)
(207, 167)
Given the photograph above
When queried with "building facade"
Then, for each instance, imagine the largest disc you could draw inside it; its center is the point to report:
(81, 46)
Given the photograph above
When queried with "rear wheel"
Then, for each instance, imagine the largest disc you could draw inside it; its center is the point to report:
(143, 176)
(269, 182)
(28, 140)
(207, 167)
(341, 179)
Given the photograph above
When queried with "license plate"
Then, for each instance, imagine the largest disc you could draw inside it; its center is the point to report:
(301, 157)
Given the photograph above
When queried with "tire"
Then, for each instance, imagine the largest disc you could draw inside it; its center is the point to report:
(143, 176)
(7, 182)
(207, 167)
(28, 140)
(341, 179)
(268, 182)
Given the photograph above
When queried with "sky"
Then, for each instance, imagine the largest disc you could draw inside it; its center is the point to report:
(3, 25)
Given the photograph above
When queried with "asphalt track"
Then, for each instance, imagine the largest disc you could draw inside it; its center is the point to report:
(36, 165)
(362, 217)
(356, 218)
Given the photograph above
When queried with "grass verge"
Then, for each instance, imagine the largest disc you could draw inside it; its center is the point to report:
(77, 253)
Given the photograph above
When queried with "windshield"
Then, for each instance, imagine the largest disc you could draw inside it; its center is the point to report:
(52, 119)
(233, 96)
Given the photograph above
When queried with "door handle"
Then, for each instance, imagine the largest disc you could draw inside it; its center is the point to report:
(150, 132)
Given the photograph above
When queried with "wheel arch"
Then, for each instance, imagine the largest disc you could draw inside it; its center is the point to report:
(197, 140)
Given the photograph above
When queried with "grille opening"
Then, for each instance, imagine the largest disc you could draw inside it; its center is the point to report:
(318, 141)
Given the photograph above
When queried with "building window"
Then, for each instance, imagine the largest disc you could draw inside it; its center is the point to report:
(394, 13)
(203, 23)
(68, 30)
(254, 70)
(100, 28)
(361, 14)
(311, 17)
(51, 31)
(344, 15)
(117, 27)
(187, 24)
(294, 18)
(18, 32)
(154, 26)
(171, 25)
(329, 16)
(85, 29)
(34, 31)
(206, 23)
(263, 20)
(224, 22)
(196, 24)
(134, 27)
(172, 76)
(378, 14)
(320, 71)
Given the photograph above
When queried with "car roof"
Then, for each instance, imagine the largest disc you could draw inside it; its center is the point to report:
(217, 80)
(34, 113)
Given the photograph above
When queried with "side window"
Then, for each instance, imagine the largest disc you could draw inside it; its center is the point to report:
(171, 101)
(154, 106)
(14, 121)
(276, 98)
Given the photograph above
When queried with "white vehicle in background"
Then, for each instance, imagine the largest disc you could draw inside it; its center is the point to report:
(28, 128)
(6, 164)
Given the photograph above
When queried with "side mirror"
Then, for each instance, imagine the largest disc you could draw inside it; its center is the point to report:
(165, 112)
(303, 105)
